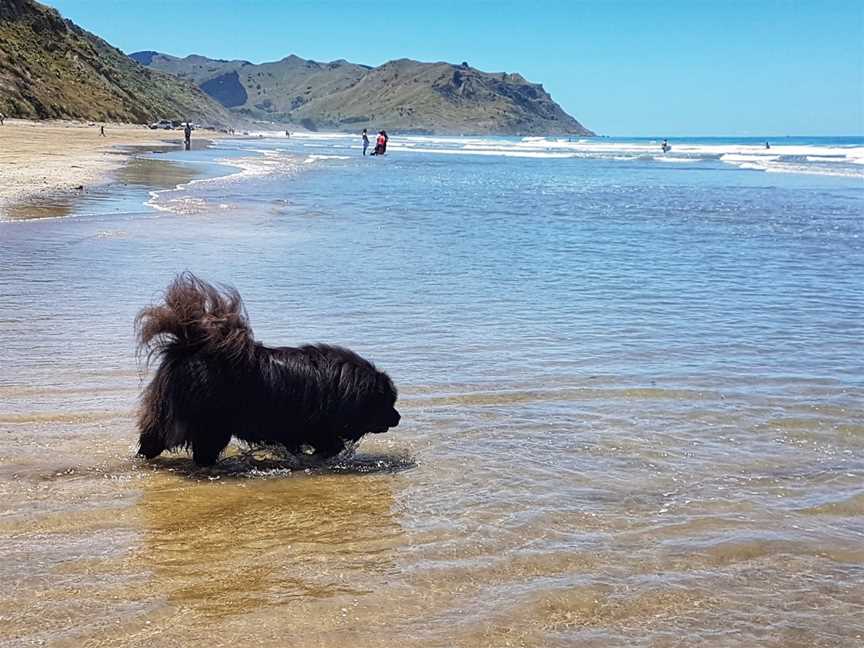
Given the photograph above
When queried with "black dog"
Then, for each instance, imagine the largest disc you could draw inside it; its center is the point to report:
(215, 382)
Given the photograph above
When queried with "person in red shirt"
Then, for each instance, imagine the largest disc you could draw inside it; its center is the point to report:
(380, 144)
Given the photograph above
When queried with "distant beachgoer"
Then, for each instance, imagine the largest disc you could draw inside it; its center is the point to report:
(380, 144)
(2, 118)
(287, 134)
(386, 139)
(102, 131)
(365, 141)
(767, 145)
(187, 132)
(666, 148)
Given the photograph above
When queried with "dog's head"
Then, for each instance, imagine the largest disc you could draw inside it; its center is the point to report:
(374, 410)
(384, 414)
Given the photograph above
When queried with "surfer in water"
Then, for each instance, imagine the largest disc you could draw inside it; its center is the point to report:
(665, 146)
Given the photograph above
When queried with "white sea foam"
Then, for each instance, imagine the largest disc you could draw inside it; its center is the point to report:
(678, 160)
(318, 136)
(805, 169)
(487, 151)
(681, 153)
(273, 155)
(183, 206)
(177, 200)
(314, 158)
(739, 157)
(599, 148)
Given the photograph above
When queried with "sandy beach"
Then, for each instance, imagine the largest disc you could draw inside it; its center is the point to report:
(44, 158)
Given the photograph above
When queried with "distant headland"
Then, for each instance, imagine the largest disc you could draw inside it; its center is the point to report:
(401, 95)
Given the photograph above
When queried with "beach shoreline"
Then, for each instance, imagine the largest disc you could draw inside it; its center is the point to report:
(45, 159)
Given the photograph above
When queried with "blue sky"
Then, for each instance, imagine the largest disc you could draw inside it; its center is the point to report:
(659, 68)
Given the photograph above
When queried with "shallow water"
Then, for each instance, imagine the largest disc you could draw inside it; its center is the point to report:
(631, 393)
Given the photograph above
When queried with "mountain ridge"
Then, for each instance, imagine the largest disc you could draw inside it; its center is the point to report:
(402, 95)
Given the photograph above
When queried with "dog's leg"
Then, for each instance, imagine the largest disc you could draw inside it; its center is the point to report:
(208, 441)
(151, 441)
(155, 419)
(328, 445)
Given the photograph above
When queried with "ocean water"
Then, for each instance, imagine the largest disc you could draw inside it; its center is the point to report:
(632, 387)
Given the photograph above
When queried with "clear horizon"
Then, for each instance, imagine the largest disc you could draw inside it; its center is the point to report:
(623, 69)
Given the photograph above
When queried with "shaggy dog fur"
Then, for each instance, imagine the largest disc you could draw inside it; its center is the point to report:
(215, 382)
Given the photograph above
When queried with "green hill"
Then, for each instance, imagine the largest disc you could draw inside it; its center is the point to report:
(402, 95)
(50, 68)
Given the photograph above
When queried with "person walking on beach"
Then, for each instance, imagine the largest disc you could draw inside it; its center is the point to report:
(187, 132)
(365, 141)
(102, 130)
(2, 118)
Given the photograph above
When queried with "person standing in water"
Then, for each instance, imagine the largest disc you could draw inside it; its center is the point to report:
(380, 144)
(386, 139)
(365, 141)
(187, 132)
(665, 146)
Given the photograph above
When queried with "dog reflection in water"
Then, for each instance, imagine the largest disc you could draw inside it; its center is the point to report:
(215, 382)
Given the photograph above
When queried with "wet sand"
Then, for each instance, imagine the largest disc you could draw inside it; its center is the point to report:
(55, 160)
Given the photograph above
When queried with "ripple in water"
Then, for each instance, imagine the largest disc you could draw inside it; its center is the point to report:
(631, 395)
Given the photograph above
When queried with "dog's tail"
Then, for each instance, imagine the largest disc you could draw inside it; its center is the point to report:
(195, 316)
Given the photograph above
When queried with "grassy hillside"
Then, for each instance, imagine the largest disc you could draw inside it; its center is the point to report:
(401, 95)
(51, 68)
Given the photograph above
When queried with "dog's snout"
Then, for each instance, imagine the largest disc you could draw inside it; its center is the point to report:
(395, 418)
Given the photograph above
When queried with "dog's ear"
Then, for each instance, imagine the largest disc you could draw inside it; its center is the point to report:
(386, 387)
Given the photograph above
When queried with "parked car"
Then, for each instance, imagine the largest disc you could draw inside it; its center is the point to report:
(162, 124)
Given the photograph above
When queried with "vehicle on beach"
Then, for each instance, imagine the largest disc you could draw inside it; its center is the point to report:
(162, 124)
